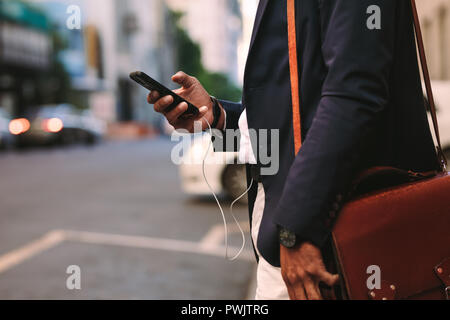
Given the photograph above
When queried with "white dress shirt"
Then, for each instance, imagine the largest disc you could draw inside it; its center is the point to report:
(246, 154)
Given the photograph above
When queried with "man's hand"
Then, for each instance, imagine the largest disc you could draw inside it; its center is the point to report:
(192, 91)
(303, 269)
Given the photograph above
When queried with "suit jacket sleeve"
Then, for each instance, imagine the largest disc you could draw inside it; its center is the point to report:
(355, 91)
(233, 111)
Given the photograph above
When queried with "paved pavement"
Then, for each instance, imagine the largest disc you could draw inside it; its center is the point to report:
(115, 210)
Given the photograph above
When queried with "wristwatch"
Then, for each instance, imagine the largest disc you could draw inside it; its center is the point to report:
(217, 112)
(287, 238)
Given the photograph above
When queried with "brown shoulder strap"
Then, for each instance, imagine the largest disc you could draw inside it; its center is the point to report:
(426, 77)
(293, 65)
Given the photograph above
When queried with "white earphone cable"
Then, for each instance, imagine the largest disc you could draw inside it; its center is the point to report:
(220, 206)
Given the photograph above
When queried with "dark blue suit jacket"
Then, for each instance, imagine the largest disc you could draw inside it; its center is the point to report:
(361, 106)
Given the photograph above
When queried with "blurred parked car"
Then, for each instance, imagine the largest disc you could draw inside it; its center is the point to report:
(94, 128)
(6, 138)
(57, 124)
(223, 173)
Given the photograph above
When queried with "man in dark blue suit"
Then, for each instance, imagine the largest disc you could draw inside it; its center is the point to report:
(361, 105)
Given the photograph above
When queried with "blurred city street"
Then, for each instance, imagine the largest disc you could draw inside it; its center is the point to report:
(86, 177)
(114, 211)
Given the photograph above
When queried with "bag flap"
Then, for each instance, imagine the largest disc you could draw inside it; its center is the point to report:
(404, 230)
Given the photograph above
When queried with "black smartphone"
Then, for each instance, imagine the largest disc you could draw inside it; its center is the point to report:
(151, 84)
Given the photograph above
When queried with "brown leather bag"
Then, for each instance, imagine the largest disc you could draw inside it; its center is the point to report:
(395, 220)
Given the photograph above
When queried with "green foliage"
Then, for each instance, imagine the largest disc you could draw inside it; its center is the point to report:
(218, 85)
(188, 53)
(189, 59)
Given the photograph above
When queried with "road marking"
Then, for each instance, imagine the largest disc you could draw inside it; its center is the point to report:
(55, 237)
(13, 258)
(215, 236)
(148, 243)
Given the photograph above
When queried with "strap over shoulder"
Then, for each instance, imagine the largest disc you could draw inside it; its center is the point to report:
(293, 66)
(295, 89)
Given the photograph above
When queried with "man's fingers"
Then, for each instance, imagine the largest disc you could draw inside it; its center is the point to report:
(163, 103)
(183, 79)
(296, 291)
(328, 278)
(173, 115)
(202, 112)
(299, 291)
(312, 290)
(295, 286)
(153, 96)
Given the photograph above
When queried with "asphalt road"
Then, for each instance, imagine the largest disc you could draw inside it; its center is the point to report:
(115, 210)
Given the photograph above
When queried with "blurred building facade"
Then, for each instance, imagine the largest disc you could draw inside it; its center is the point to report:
(135, 36)
(248, 11)
(435, 22)
(116, 37)
(25, 54)
(216, 25)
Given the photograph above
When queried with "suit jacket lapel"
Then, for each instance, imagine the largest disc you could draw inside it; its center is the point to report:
(259, 16)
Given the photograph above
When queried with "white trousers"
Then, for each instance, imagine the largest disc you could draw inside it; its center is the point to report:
(269, 282)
